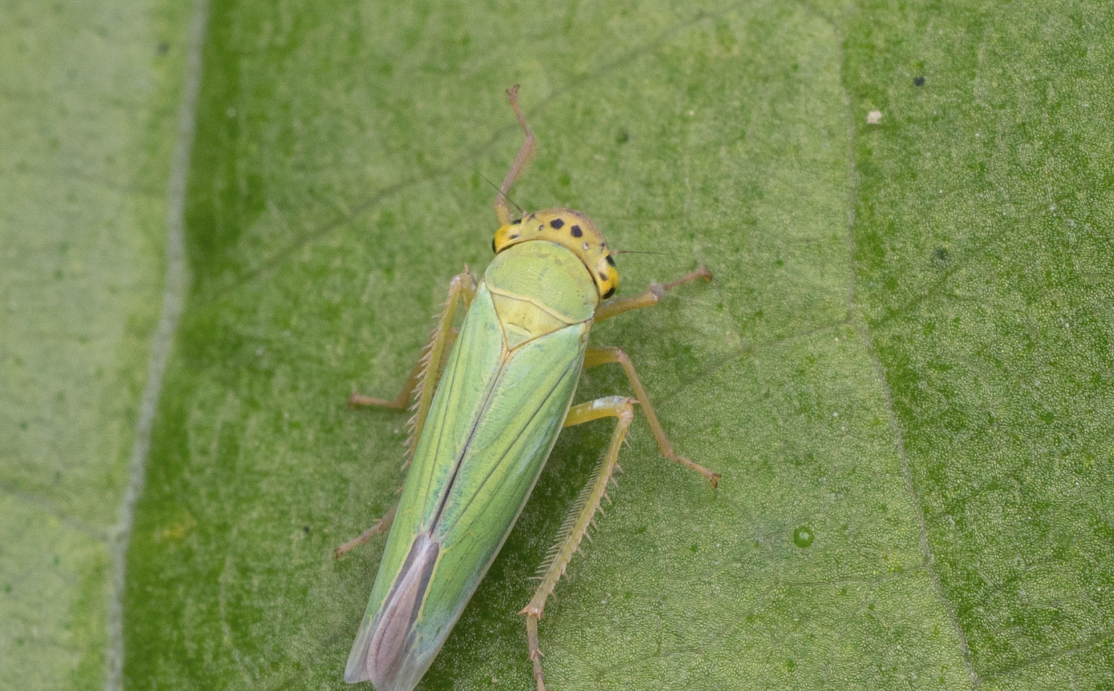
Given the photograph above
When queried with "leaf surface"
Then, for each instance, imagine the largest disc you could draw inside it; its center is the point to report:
(903, 368)
(88, 105)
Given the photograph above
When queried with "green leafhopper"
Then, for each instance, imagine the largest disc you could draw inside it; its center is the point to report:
(489, 401)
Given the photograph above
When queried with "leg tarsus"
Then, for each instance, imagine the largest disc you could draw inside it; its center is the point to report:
(356, 400)
(380, 526)
(701, 272)
(535, 650)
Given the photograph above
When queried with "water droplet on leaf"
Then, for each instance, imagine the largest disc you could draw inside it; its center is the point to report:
(803, 536)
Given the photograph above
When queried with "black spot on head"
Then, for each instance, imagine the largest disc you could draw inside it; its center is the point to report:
(918, 80)
(513, 237)
(493, 249)
(577, 232)
(610, 260)
(557, 223)
(609, 293)
(603, 276)
(516, 221)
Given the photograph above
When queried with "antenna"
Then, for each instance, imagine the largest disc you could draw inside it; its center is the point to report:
(663, 254)
(505, 196)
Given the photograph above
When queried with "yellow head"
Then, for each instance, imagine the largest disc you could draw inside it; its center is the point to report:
(570, 229)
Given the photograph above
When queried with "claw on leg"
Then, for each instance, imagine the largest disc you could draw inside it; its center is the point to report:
(535, 649)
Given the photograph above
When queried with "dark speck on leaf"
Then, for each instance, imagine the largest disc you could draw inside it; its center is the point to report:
(163, 48)
(305, 529)
(557, 223)
(941, 254)
(622, 138)
(918, 80)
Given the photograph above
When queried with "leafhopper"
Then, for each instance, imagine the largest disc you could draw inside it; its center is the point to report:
(489, 399)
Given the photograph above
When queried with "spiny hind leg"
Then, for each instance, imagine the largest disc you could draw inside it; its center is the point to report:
(502, 211)
(381, 526)
(576, 526)
(596, 356)
(648, 297)
(427, 371)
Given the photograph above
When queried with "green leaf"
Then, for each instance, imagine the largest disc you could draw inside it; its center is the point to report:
(903, 367)
(88, 98)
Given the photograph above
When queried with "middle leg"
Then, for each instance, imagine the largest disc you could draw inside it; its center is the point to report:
(426, 375)
(381, 526)
(601, 356)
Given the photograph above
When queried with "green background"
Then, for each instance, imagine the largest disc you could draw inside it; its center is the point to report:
(904, 368)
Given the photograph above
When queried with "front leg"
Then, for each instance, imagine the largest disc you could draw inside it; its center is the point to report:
(648, 297)
(502, 211)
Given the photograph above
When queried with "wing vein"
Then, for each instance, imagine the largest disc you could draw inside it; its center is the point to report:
(518, 435)
(459, 462)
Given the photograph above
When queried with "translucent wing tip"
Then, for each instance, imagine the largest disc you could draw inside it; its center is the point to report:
(357, 668)
(382, 652)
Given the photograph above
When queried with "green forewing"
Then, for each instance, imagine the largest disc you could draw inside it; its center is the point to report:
(469, 374)
(509, 446)
(493, 421)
